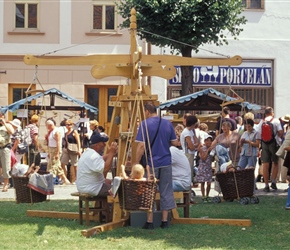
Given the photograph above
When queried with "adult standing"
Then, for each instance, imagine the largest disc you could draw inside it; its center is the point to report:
(53, 142)
(225, 118)
(228, 140)
(33, 155)
(71, 137)
(269, 149)
(250, 142)
(161, 133)
(16, 138)
(93, 167)
(6, 130)
(181, 172)
(188, 143)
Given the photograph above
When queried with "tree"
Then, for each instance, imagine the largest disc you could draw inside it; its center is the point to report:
(184, 25)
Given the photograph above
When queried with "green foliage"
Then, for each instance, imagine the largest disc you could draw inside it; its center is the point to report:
(190, 22)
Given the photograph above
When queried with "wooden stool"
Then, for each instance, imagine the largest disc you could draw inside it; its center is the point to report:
(185, 196)
(185, 204)
(101, 207)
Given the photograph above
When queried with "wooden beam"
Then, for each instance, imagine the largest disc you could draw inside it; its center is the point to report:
(58, 215)
(105, 227)
(230, 222)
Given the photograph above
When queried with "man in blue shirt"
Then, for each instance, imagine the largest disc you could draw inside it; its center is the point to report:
(160, 137)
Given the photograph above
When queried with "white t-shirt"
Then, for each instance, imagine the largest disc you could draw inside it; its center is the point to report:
(181, 171)
(90, 176)
(277, 127)
(185, 133)
(202, 135)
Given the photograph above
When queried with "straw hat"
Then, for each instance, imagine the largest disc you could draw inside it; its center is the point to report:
(285, 118)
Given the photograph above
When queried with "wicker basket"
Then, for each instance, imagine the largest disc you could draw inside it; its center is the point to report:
(237, 184)
(25, 194)
(137, 195)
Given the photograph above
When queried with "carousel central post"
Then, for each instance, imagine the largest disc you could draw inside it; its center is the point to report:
(133, 66)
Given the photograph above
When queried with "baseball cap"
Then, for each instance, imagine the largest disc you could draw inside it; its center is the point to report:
(98, 137)
(208, 136)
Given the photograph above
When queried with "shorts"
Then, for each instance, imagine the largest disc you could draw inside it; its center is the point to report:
(178, 186)
(164, 175)
(247, 161)
(269, 152)
(5, 161)
(104, 192)
(67, 156)
(54, 165)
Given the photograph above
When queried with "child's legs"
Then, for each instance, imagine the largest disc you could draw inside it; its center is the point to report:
(202, 188)
(208, 187)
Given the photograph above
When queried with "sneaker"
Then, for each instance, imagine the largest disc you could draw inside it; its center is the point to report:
(164, 224)
(273, 186)
(208, 199)
(148, 225)
(266, 189)
(204, 199)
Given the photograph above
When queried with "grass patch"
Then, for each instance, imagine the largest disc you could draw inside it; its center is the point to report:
(270, 229)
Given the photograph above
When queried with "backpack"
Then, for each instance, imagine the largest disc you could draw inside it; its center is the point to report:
(267, 134)
(26, 137)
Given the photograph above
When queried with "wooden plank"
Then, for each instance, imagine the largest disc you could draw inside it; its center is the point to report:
(230, 222)
(105, 227)
(188, 61)
(58, 215)
(177, 195)
(174, 213)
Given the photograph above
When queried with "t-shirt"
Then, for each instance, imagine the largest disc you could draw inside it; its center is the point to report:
(33, 131)
(202, 135)
(246, 149)
(181, 171)
(277, 127)
(230, 120)
(90, 176)
(160, 150)
(232, 143)
(186, 133)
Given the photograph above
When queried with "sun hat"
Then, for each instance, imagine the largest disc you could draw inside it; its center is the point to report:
(285, 118)
(16, 123)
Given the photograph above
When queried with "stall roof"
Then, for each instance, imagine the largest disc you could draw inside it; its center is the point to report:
(206, 100)
(53, 92)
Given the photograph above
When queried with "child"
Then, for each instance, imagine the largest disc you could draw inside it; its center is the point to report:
(204, 172)
(137, 173)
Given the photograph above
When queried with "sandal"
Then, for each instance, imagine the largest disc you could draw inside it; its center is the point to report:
(5, 188)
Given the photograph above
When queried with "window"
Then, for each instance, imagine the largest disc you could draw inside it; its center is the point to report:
(104, 15)
(16, 93)
(254, 4)
(26, 14)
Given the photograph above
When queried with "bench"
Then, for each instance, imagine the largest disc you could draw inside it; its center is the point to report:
(185, 203)
(101, 207)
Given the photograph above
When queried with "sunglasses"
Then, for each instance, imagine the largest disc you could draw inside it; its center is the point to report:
(68, 124)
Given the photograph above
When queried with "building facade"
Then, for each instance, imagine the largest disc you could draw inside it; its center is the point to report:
(78, 28)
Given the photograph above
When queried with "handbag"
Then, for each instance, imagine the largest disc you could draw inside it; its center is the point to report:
(22, 148)
(144, 158)
(72, 147)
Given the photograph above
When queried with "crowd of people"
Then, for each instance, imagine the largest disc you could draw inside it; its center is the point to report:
(179, 157)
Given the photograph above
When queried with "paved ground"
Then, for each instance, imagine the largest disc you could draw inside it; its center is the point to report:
(62, 192)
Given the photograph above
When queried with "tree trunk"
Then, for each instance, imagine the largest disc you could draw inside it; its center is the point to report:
(186, 74)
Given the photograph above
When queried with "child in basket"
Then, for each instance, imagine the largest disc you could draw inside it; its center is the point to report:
(137, 173)
(204, 172)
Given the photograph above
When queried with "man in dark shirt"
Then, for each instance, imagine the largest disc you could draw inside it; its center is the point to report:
(225, 118)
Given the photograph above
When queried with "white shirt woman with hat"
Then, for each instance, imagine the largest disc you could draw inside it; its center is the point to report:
(286, 143)
(5, 131)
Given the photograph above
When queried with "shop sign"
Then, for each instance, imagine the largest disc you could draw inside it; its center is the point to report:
(249, 73)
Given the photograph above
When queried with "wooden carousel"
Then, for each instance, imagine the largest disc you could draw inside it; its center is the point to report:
(128, 108)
